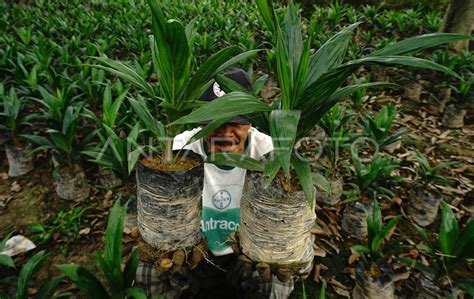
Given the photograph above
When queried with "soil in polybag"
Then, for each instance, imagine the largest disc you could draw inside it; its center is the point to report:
(374, 282)
(275, 224)
(169, 204)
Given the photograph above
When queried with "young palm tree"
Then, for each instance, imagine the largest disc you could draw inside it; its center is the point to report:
(161, 181)
(180, 82)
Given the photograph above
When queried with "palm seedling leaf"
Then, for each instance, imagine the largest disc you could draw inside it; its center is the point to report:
(448, 230)
(236, 160)
(283, 126)
(125, 72)
(420, 42)
(229, 105)
(27, 271)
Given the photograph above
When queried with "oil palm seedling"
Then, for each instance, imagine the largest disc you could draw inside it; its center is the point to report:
(336, 125)
(335, 13)
(424, 197)
(31, 76)
(360, 97)
(206, 41)
(113, 109)
(463, 94)
(21, 284)
(413, 20)
(398, 19)
(382, 43)
(63, 118)
(119, 280)
(5, 260)
(374, 276)
(116, 151)
(370, 12)
(43, 53)
(378, 128)
(55, 104)
(369, 36)
(368, 184)
(160, 179)
(384, 22)
(450, 256)
(463, 91)
(466, 61)
(353, 15)
(370, 176)
(433, 20)
(310, 84)
(443, 57)
(14, 121)
(90, 82)
(257, 83)
(65, 224)
(22, 73)
(178, 88)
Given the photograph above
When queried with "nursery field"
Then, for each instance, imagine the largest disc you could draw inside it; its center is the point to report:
(372, 128)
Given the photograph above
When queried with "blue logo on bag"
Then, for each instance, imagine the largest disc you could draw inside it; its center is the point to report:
(221, 199)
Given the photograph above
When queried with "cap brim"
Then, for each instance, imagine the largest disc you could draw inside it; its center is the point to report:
(234, 120)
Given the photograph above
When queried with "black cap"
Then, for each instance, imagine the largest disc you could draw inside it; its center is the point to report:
(214, 91)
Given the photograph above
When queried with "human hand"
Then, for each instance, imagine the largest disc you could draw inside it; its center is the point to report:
(298, 271)
(173, 260)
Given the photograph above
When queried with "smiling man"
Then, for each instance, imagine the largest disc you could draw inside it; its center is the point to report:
(223, 186)
(229, 138)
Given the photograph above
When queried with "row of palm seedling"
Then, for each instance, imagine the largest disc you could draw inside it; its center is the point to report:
(373, 181)
(447, 269)
(53, 47)
(377, 136)
(381, 19)
(455, 95)
(68, 137)
(52, 50)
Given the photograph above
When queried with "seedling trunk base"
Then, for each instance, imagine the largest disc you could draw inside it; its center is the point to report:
(130, 219)
(71, 183)
(453, 117)
(427, 289)
(169, 206)
(275, 225)
(354, 221)
(108, 178)
(374, 285)
(424, 204)
(331, 198)
(392, 147)
(413, 91)
(20, 160)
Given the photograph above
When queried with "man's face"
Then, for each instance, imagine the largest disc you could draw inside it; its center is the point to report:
(228, 138)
